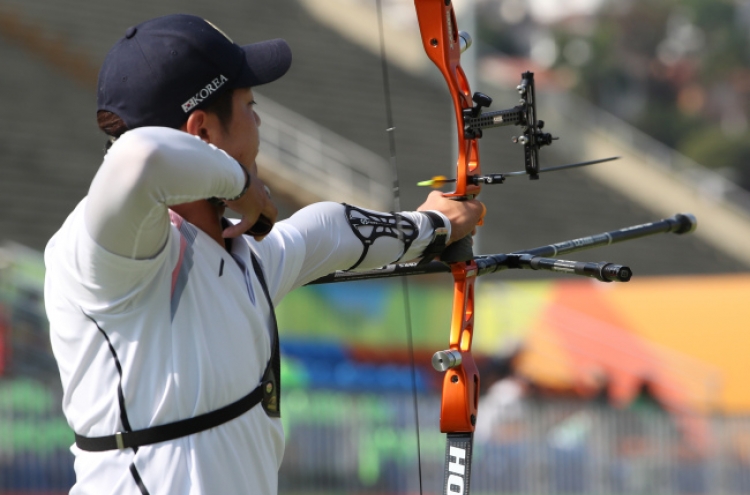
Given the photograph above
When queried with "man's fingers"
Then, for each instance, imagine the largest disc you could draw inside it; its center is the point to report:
(258, 212)
(237, 229)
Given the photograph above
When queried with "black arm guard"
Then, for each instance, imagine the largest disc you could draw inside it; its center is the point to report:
(368, 226)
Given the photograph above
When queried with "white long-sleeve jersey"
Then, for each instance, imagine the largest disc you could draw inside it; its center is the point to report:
(152, 321)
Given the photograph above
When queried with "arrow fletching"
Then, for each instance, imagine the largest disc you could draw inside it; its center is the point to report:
(436, 181)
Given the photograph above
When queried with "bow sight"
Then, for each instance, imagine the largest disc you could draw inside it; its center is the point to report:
(523, 115)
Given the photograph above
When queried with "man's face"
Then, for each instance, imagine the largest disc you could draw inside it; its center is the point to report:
(240, 139)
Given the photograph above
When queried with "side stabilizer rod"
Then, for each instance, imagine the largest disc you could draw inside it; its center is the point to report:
(603, 271)
(681, 223)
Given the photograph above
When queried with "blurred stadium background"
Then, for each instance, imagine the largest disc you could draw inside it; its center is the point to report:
(588, 387)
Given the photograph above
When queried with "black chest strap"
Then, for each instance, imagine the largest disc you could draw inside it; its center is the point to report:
(266, 393)
(271, 381)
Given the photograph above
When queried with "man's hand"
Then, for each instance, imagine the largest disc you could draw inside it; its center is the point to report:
(464, 216)
(256, 202)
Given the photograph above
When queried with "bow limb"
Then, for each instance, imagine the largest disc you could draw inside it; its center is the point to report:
(441, 41)
(458, 411)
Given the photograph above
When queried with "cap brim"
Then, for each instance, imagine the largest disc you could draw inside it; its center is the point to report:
(266, 62)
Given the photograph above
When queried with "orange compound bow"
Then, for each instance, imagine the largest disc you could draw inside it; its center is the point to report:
(444, 44)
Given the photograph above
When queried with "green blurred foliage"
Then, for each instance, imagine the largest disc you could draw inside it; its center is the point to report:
(25, 396)
(679, 70)
(30, 420)
(341, 313)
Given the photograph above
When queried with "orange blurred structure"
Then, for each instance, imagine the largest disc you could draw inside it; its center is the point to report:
(685, 339)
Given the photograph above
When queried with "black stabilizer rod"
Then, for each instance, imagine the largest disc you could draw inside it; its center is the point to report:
(682, 223)
(395, 270)
(602, 271)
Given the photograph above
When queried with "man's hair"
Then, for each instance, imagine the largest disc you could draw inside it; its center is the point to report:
(112, 125)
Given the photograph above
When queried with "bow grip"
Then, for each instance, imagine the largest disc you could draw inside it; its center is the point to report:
(462, 249)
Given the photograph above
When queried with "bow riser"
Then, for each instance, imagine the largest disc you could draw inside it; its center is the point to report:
(437, 24)
(458, 410)
(440, 38)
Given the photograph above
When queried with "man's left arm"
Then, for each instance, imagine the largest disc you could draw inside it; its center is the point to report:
(337, 236)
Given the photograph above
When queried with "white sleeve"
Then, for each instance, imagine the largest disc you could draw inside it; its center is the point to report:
(145, 171)
(324, 240)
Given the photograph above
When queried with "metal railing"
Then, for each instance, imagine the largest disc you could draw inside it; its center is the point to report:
(593, 120)
(354, 444)
(321, 162)
(314, 159)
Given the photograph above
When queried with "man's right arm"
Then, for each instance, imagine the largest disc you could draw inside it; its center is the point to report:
(146, 171)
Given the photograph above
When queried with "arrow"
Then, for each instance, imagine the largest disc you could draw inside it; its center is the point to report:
(440, 180)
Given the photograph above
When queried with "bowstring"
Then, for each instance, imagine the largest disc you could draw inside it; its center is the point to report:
(391, 130)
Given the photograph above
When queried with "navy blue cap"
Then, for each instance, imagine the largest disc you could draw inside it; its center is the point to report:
(165, 68)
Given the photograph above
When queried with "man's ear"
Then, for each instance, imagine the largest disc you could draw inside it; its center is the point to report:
(201, 124)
